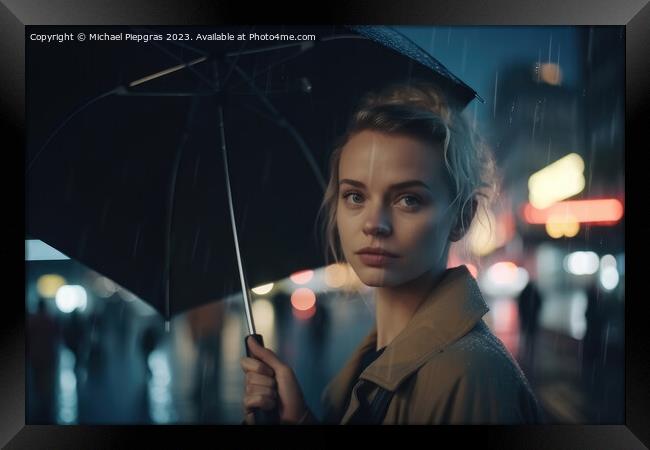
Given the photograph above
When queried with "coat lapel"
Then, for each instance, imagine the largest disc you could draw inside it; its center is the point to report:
(450, 311)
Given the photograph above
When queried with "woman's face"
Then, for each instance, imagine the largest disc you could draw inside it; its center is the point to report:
(392, 196)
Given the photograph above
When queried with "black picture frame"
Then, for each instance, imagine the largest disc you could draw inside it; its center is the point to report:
(15, 15)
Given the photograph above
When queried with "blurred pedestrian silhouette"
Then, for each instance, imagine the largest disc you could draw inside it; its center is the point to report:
(529, 303)
(96, 348)
(44, 336)
(603, 357)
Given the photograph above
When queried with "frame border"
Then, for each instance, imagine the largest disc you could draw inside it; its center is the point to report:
(16, 14)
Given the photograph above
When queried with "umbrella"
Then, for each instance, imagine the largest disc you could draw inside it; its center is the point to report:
(179, 160)
(132, 179)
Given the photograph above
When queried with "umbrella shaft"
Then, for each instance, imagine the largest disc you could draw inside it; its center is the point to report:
(244, 288)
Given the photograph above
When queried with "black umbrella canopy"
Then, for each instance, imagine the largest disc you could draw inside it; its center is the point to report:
(136, 178)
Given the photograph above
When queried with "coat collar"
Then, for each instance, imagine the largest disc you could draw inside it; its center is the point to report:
(449, 312)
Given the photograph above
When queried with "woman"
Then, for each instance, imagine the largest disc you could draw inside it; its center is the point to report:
(405, 181)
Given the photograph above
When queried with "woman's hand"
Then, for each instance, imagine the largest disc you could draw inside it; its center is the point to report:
(270, 383)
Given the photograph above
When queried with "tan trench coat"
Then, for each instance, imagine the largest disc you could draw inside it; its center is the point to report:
(445, 367)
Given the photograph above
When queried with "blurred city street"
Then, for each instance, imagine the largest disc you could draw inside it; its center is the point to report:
(129, 369)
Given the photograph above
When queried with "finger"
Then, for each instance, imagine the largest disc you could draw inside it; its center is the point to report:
(264, 354)
(256, 366)
(249, 418)
(252, 402)
(254, 389)
(262, 380)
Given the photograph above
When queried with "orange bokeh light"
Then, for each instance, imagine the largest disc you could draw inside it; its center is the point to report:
(303, 299)
(302, 277)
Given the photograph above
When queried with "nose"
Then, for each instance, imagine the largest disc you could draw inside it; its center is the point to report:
(377, 222)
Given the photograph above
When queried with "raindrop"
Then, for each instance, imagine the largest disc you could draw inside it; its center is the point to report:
(512, 110)
(206, 260)
(606, 344)
(494, 102)
(464, 57)
(196, 240)
(542, 114)
(433, 41)
(305, 85)
(558, 64)
(137, 239)
(167, 326)
(535, 120)
(549, 48)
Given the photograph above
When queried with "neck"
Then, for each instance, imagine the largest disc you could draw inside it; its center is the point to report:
(395, 306)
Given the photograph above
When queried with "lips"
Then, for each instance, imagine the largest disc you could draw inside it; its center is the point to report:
(376, 251)
(376, 257)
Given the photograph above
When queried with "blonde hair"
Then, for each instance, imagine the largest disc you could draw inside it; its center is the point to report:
(420, 110)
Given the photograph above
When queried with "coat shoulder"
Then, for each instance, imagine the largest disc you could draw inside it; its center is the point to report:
(472, 380)
(477, 353)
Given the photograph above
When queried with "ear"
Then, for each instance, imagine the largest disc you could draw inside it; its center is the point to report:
(457, 232)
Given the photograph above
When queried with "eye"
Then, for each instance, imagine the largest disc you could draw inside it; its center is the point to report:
(410, 201)
(354, 198)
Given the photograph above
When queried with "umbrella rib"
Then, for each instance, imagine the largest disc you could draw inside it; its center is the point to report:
(65, 122)
(283, 122)
(167, 71)
(186, 65)
(170, 209)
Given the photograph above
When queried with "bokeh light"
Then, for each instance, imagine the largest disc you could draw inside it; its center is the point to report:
(609, 278)
(71, 297)
(47, 285)
(303, 299)
(302, 277)
(104, 287)
(263, 289)
(581, 263)
(336, 275)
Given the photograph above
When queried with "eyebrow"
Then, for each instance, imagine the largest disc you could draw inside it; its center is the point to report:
(392, 187)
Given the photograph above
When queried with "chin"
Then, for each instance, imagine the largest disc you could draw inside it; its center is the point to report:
(376, 277)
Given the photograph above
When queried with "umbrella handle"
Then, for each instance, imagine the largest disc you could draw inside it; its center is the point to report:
(262, 417)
